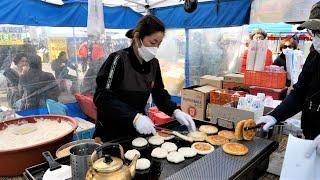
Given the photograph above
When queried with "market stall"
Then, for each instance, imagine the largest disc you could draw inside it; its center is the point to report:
(219, 101)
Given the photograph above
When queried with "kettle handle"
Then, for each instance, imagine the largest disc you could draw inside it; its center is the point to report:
(101, 151)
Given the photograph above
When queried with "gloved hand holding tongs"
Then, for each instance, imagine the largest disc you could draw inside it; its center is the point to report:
(267, 122)
(184, 119)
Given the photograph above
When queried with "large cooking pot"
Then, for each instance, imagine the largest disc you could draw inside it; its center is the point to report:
(14, 161)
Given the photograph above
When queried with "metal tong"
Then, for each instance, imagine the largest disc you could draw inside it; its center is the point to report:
(175, 133)
(254, 127)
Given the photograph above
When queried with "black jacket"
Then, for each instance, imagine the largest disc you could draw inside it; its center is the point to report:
(37, 86)
(126, 93)
(281, 62)
(304, 92)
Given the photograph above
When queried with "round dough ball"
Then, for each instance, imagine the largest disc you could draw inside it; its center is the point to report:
(159, 153)
(187, 152)
(175, 157)
(156, 140)
(131, 153)
(208, 129)
(139, 142)
(143, 164)
(169, 146)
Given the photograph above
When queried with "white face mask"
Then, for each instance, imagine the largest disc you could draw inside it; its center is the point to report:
(147, 53)
(316, 43)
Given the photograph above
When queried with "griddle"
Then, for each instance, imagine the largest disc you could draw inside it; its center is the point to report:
(217, 165)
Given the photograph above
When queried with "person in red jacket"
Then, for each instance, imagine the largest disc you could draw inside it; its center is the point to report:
(258, 34)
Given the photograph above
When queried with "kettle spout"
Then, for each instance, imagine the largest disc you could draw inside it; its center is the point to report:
(132, 166)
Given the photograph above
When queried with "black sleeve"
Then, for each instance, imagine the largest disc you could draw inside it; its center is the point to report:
(277, 61)
(105, 98)
(295, 100)
(161, 97)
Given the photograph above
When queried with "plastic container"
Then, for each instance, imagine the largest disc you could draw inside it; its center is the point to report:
(55, 107)
(265, 79)
(87, 106)
(276, 94)
(161, 118)
(157, 116)
(14, 161)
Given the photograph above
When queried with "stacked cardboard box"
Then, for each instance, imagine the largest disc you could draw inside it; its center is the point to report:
(213, 81)
(233, 80)
(194, 100)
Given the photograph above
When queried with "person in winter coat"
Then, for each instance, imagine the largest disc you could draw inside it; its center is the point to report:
(125, 82)
(305, 95)
(12, 74)
(258, 34)
(37, 86)
(281, 59)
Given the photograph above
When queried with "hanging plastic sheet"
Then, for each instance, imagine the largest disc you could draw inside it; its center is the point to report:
(95, 23)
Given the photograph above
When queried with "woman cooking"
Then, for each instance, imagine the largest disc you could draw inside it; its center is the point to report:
(125, 82)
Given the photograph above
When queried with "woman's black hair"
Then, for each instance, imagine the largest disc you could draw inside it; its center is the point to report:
(62, 53)
(18, 58)
(35, 62)
(148, 25)
(129, 34)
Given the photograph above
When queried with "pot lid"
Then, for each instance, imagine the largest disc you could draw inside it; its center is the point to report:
(108, 164)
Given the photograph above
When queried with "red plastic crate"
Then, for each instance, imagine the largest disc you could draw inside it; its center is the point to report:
(277, 94)
(266, 79)
(87, 106)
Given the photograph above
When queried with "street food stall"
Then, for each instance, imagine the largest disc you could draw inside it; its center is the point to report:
(227, 144)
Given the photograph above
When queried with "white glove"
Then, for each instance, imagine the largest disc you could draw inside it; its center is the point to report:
(268, 120)
(184, 119)
(144, 125)
(315, 146)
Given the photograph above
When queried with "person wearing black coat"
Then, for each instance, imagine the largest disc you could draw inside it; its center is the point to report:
(125, 82)
(37, 86)
(305, 95)
(281, 59)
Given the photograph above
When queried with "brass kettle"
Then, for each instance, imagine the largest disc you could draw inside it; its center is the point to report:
(106, 167)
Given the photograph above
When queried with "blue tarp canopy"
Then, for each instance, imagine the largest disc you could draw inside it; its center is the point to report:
(73, 13)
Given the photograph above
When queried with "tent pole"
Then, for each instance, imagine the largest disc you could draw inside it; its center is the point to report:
(76, 56)
(186, 65)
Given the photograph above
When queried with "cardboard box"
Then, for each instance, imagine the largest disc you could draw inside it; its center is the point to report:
(211, 81)
(231, 85)
(228, 116)
(234, 78)
(194, 100)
